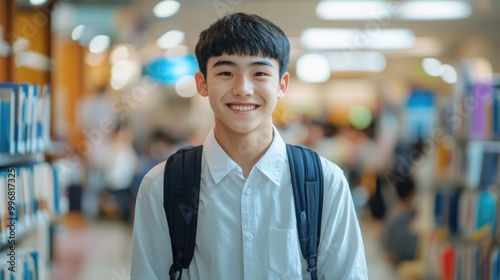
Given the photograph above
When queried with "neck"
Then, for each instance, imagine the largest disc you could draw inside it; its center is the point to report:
(245, 149)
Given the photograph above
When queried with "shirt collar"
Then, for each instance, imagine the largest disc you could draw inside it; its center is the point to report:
(272, 162)
(220, 164)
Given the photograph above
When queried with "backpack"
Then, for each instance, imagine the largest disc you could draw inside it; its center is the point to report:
(181, 197)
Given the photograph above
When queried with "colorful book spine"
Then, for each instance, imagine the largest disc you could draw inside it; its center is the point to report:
(35, 185)
(496, 112)
(481, 95)
(7, 120)
(26, 266)
(24, 117)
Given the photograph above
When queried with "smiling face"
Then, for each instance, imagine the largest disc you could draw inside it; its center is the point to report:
(243, 92)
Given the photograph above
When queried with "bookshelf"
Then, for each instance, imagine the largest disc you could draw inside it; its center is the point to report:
(16, 160)
(466, 235)
(32, 196)
(32, 186)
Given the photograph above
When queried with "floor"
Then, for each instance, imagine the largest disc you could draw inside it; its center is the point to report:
(97, 250)
(100, 250)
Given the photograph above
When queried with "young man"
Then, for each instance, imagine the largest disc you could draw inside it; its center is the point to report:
(246, 220)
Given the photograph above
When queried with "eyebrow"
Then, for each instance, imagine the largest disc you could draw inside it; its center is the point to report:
(254, 63)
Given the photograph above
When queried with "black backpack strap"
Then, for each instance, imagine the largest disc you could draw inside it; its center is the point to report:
(307, 180)
(181, 189)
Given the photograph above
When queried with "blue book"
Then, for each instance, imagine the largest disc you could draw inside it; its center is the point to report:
(496, 113)
(20, 95)
(486, 209)
(39, 118)
(7, 121)
(489, 171)
(23, 118)
(28, 120)
(453, 216)
(57, 210)
(35, 257)
(440, 209)
(475, 154)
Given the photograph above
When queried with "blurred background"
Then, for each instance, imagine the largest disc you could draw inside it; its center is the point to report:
(403, 95)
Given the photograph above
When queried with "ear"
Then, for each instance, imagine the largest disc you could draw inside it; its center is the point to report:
(283, 85)
(201, 84)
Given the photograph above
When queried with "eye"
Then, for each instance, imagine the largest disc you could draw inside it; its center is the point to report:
(225, 74)
(260, 74)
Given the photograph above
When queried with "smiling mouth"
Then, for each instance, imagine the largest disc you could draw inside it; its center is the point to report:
(242, 108)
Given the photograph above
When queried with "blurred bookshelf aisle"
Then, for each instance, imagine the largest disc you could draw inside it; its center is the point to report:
(101, 250)
(93, 249)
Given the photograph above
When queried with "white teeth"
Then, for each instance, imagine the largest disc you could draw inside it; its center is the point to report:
(242, 108)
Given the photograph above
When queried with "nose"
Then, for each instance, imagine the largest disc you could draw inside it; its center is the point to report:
(243, 87)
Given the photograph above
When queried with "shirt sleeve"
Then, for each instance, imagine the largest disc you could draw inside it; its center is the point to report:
(151, 248)
(341, 252)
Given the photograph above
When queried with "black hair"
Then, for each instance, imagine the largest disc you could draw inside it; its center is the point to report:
(404, 186)
(243, 34)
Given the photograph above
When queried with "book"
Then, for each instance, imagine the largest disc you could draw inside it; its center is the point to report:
(45, 115)
(475, 154)
(7, 120)
(486, 210)
(495, 112)
(20, 94)
(489, 171)
(467, 213)
(481, 95)
(447, 262)
(453, 212)
(3, 208)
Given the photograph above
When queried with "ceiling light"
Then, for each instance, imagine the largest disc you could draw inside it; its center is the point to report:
(166, 8)
(37, 2)
(343, 38)
(124, 70)
(353, 10)
(432, 66)
(99, 44)
(448, 74)
(170, 39)
(434, 10)
(383, 10)
(313, 68)
(76, 34)
(356, 61)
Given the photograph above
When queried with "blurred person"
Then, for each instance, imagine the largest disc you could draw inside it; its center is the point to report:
(243, 61)
(159, 145)
(400, 238)
(96, 119)
(120, 166)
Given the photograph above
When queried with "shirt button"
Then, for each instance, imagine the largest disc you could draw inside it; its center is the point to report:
(250, 237)
(249, 191)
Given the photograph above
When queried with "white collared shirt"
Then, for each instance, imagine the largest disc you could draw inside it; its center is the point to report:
(247, 227)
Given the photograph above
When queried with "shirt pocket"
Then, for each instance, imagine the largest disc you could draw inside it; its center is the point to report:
(284, 253)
